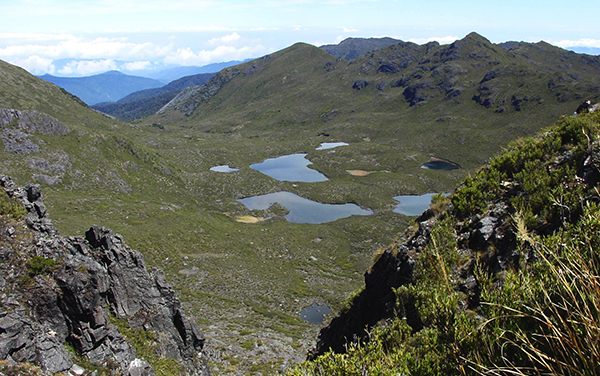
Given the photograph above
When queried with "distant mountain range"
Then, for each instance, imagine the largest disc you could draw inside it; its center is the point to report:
(113, 85)
(171, 74)
(146, 102)
(105, 87)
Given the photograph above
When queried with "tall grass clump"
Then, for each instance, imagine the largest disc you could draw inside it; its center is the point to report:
(555, 326)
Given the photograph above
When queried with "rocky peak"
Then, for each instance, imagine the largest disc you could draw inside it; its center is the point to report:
(58, 290)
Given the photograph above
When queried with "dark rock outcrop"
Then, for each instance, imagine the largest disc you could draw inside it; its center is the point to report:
(378, 300)
(58, 290)
(490, 235)
(360, 84)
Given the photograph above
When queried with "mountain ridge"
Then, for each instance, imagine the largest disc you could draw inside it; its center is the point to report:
(147, 102)
(104, 87)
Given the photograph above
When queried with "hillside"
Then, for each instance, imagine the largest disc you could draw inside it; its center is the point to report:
(454, 101)
(105, 87)
(182, 217)
(147, 102)
(500, 278)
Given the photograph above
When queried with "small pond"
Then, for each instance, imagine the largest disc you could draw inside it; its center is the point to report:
(330, 145)
(314, 313)
(224, 168)
(303, 210)
(440, 164)
(291, 167)
(413, 205)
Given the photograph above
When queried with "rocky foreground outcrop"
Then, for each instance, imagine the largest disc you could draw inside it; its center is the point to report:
(63, 299)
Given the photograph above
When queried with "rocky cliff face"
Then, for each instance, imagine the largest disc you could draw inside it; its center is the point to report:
(62, 292)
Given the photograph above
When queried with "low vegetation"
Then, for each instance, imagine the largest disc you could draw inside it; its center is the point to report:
(538, 315)
(11, 208)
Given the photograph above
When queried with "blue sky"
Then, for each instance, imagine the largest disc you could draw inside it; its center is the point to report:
(83, 37)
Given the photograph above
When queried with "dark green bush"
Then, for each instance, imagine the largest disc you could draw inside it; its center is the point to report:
(10, 207)
(40, 266)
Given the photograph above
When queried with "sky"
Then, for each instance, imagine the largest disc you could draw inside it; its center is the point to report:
(86, 37)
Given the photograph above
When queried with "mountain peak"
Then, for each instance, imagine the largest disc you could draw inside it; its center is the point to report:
(475, 36)
(113, 73)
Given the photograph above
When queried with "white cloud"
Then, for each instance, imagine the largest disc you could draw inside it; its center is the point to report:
(185, 56)
(137, 65)
(39, 52)
(441, 40)
(348, 30)
(227, 39)
(77, 47)
(35, 64)
(86, 68)
(583, 42)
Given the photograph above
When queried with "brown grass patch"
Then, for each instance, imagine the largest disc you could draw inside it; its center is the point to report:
(358, 172)
(248, 219)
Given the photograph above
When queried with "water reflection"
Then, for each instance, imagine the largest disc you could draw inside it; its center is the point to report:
(413, 205)
(440, 164)
(224, 168)
(302, 210)
(291, 167)
(314, 313)
(330, 145)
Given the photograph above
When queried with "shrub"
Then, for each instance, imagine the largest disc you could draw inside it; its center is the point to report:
(10, 207)
(40, 266)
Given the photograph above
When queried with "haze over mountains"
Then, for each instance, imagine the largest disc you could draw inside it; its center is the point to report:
(114, 85)
(104, 87)
(396, 106)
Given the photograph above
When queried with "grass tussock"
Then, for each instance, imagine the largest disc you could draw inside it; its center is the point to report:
(565, 309)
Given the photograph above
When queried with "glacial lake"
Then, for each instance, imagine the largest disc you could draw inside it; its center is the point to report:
(330, 145)
(413, 205)
(314, 313)
(303, 210)
(224, 168)
(291, 167)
